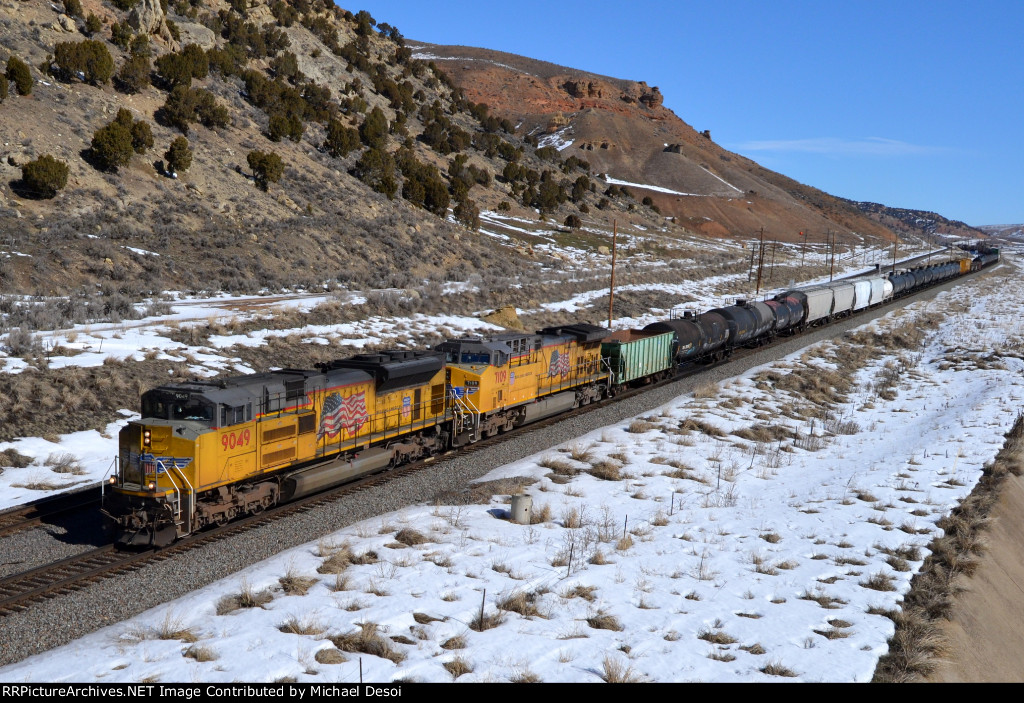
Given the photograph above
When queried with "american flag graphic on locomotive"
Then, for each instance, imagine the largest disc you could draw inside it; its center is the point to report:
(559, 364)
(340, 413)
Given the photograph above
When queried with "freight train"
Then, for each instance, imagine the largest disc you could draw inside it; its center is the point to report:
(205, 452)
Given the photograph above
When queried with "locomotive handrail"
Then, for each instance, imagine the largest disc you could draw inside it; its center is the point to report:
(177, 492)
(191, 501)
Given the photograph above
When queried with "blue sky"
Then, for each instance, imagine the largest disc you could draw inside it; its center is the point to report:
(911, 104)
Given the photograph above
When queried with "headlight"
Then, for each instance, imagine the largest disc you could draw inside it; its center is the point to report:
(146, 437)
(112, 480)
(151, 485)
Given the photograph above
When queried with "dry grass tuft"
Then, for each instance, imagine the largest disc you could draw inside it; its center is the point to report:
(540, 514)
(367, 641)
(639, 426)
(614, 671)
(172, 629)
(457, 642)
(411, 537)
(559, 467)
(879, 582)
(715, 636)
(581, 591)
(308, 625)
(64, 463)
(458, 666)
(490, 621)
(833, 633)
(691, 424)
(245, 598)
(823, 599)
(520, 602)
(603, 620)
(295, 585)
(330, 656)
(13, 458)
(201, 653)
(605, 470)
(524, 675)
(775, 668)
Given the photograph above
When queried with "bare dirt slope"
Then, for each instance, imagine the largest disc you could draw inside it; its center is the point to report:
(986, 633)
(622, 128)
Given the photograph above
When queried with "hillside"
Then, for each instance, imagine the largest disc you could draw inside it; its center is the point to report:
(622, 128)
(386, 159)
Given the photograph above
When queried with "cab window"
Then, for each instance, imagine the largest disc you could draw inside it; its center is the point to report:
(475, 358)
(191, 410)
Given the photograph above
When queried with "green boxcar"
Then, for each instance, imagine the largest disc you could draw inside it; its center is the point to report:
(635, 354)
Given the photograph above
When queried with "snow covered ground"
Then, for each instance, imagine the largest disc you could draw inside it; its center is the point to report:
(742, 535)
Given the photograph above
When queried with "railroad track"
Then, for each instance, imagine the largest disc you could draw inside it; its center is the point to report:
(43, 511)
(18, 592)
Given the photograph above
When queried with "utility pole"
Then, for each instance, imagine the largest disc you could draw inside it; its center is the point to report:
(750, 268)
(832, 263)
(803, 249)
(771, 269)
(611, 288)
(760, 263)
(894, 243)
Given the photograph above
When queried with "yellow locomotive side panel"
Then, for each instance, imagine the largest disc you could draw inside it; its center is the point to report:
(225, 455)
(489, 388)
(408, 409)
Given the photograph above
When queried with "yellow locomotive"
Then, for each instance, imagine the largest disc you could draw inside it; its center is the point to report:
(206, 452)
(511, 379)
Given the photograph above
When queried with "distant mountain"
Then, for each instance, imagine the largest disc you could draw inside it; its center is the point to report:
(919, 223)
(1004, 231)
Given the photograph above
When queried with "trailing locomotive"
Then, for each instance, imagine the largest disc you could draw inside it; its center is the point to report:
(205, 452)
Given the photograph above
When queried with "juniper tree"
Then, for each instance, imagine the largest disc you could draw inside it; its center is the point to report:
(178, 155)
(267, 168)
(45, 176)
(18, 73)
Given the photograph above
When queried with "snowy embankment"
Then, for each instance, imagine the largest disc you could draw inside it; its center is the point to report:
(756, 531)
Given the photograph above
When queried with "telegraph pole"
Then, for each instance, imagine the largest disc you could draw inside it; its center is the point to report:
(771, 269)
(803, 250)
(760, 263)
(894, 243)
(832, 263)
(611, 288)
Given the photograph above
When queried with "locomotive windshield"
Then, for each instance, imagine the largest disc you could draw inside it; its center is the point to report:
(163, 405)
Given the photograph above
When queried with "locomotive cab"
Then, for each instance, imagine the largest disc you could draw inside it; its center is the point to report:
(152, 489)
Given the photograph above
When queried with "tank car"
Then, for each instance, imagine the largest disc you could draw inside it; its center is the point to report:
(695, 337)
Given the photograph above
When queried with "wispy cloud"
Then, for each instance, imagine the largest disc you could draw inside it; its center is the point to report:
(839, 146)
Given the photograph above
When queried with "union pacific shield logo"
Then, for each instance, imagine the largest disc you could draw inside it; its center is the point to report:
(342, 414)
